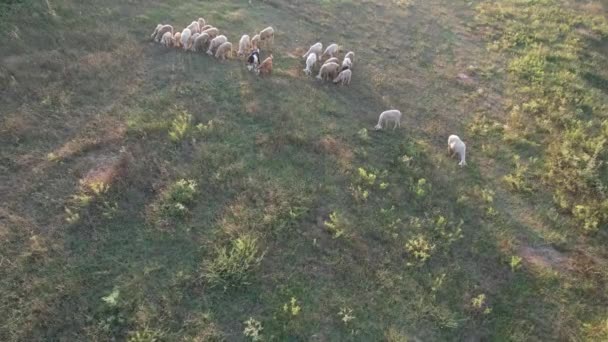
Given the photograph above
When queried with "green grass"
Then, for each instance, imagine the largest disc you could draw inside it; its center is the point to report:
(155, 195)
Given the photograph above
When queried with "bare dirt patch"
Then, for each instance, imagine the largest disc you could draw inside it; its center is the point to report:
(544, 257)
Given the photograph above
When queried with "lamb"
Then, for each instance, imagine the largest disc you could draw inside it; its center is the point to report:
(350, 55)
(177, 39)
(215, 43)
(343, 77)
(332, 60)
(328, 71)
(388, 116)
(455, 145)
(316, 48)
(186, 33)
(161, 31)
(255, 41)
(347, 64)
(265, 67)
(331, 50)
(244, 45)
(267, 35)
(167, 39)
(194, 27)
(200, 42)
(201, 24)
(224, 50)
(212, 32)
(310, 63)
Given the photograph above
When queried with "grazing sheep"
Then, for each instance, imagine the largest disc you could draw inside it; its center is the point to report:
(244, 45)
(153, 35)
(343, 77)
(328, 71)
(331, 50)
(310, 63)
(194, 27)
(200, 42)
(186, 33)
(161, 31)
(212, 32)
(191, 40)
(167, 39)
(265, 67)
(332, 60)
(255, 41)
(215, 43)
(347, 64)
(224, 50)
(455, 145)
(350, 55)
(388, 116)
(201, 24)
(205, 27)
(253, 60)
(177, 39)
(267, 35)
(316, 48)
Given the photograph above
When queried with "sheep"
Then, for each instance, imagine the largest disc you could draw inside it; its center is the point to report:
(347, 64)
(205, 27)
(194, 27)
(343, 77)
(332, 60)
(316, 48)
(244, 45)
(177, 39)
(455, 145)
(153, 35)
(215, 43)
(255, 41)
(212, 32)
(388, 116)
(253, 60)
(350, 55)
(192, 39)
(328, 71)
(200, 42)
(310, 63)
(167, 39)
(161, 31)
(265, 67)
(201, 24)
(224, 50)
(331, 50)
(186, 33)
(267, 35)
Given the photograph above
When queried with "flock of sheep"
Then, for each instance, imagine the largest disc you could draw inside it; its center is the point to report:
(199, 36)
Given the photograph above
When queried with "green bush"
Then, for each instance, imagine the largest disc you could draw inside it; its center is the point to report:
(232, 267)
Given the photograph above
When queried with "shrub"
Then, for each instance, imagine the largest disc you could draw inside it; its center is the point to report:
(253, 329)
(177, 197)
(232, 267)
(336, 225)
(180, 126)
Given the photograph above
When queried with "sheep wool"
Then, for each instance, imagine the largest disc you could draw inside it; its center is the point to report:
(455, 145)
(344, 77)
(392, 115)
(310, 63)
(316, 48)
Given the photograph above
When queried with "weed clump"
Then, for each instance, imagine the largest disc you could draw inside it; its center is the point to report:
(232, 266)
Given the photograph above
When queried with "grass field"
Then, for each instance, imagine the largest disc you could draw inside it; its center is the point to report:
(149, 194)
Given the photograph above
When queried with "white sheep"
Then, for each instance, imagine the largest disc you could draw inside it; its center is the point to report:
(255, 42)
(328, 71)
(455, 145)
(310, 63)
(343, 77)
(215, 43)
(167, 39)
(316, 48)
(350, 55)
(186, 33)
(177, 39)
(153, 35)
(200, 42)
(224, 50)
(201, 24)
(212, 32)
(194, 27)
(161, 31)
(205, 27)
(347, 64)
(191, 40)
(244, 45)
(332, 60)
(388, 116)
(267, 35)
(331, 50)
